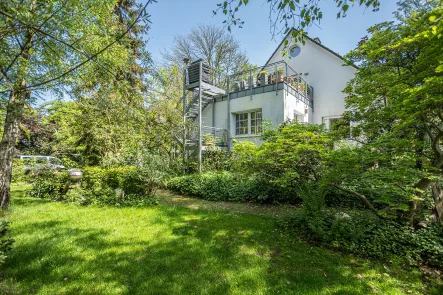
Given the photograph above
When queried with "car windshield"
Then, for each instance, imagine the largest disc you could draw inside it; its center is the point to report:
(41, 160)
(55, 161)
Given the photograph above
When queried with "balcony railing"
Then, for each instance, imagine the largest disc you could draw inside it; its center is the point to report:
(272, 75)
(211, 136)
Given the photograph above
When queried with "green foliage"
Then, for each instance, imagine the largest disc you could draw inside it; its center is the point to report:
(290, 14)
(205, 251)
(49, 185)
(364, 234)
(118, 186)
(397, 97)
(18, 170)
(216, 159)
(292, 153)
(313, 197)
(218, 186)
(69, 163)
(6, 242)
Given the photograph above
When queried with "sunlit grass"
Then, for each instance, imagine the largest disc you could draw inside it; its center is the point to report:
(66, 249)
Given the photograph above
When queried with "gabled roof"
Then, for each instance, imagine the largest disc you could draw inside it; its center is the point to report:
(313, 41)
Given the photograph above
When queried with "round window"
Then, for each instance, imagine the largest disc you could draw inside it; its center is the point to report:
(294, 51)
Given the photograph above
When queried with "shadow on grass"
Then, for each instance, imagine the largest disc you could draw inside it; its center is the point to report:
(168, 251)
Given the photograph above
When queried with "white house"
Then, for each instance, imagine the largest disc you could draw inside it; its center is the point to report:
(306, 87)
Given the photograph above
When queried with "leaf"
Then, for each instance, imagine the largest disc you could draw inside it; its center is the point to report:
(432, 18)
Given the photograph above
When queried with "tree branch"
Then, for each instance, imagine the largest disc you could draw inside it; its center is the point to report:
(360, 196)
(29, 40)
(94, 55)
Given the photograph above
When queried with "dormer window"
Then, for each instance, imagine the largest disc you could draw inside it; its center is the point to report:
(294, 51)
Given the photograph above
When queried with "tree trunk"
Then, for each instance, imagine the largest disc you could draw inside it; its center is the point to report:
(14, 112)
(421, 187)
(437, 211)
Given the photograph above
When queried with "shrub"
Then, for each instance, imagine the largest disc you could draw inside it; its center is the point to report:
(217, 160)
(119, 186)
(18, 170)
(49, 185)
(218, 186)
(6, 243)
(364, 234)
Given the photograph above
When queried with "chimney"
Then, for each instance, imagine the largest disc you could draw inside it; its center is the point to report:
(317, 39)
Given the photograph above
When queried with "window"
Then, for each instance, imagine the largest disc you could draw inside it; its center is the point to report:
(294, 51)
(298, 117)
(248, 123)
(241, 124)
(256, 122)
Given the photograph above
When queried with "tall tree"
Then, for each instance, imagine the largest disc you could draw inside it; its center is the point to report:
(47, 45)
(214, 45)
(397, 94)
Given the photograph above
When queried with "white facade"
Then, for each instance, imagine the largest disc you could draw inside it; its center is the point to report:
(325, 72)
(322, 69)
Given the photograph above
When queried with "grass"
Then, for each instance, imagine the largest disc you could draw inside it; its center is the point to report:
(65, 249)
(173, 199)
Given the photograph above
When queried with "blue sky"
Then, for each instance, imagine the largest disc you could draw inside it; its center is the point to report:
(174, 17)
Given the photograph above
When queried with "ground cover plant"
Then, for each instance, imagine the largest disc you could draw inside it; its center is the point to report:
(63, 248)
(362, 233)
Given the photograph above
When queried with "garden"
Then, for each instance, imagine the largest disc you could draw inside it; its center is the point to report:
(119, 206)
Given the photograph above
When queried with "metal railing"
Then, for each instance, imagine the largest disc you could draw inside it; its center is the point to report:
(211, 136)
(272, 74)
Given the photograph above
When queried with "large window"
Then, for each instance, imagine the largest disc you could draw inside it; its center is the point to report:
(248, 123)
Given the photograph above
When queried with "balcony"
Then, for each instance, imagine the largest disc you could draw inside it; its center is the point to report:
(211, 137)
(272, 77)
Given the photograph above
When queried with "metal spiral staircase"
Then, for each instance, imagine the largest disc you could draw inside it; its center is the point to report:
(198, 94)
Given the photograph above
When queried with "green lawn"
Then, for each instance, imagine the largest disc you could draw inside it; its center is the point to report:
(65, 249)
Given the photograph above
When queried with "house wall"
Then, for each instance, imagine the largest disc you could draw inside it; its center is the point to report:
(327, 76)
(271, 103)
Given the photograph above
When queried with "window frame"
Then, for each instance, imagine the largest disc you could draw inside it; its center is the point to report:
(257, 125)
(239, 118)
(252, 117)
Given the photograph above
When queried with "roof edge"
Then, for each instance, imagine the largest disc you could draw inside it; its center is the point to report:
(313, 41)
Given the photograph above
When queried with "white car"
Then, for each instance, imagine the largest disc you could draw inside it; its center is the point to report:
(41, 162)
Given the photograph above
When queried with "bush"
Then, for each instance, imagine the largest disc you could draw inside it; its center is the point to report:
(6, 243)
(218, 186)
(49, 185)
(120, 186)
(364, 234)
(18, 170)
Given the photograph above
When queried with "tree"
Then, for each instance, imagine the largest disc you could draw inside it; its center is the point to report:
(45, 46)
(35, 134)
(397, 96)
(285, 15)
(212, 44)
